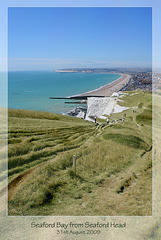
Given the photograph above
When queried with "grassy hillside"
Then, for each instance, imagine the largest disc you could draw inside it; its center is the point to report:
(113, 163)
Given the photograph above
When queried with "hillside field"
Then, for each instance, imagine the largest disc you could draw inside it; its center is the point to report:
(113, 163)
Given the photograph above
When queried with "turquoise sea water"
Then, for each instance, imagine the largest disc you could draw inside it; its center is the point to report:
(31, 90)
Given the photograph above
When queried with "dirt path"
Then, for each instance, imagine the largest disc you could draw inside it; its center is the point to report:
(15, 184)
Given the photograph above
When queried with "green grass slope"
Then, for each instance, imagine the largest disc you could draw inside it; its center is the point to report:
(113, 163)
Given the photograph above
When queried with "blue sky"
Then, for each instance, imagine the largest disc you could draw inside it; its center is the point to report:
(50, 62)
(50, 38)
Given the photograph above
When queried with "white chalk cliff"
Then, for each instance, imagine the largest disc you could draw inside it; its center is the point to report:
(102, 106)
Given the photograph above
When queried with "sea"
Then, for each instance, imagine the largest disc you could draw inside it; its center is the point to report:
(31, 90)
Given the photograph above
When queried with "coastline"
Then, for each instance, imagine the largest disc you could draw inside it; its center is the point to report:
(103, 91)
(108, 89)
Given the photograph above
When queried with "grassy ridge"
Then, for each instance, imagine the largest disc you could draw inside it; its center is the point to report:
(113, 163)
(33, 138)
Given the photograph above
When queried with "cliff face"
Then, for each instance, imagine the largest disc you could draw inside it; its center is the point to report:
(102, 106)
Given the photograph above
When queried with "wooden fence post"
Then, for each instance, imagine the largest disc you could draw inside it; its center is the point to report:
(74, 163)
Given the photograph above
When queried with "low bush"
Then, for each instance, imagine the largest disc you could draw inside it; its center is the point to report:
(145, 117)
(129, 140)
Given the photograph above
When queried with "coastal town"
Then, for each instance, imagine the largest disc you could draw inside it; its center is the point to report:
(139, 81)
(157, 82)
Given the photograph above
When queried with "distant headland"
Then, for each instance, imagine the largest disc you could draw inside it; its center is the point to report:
(104, 70)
